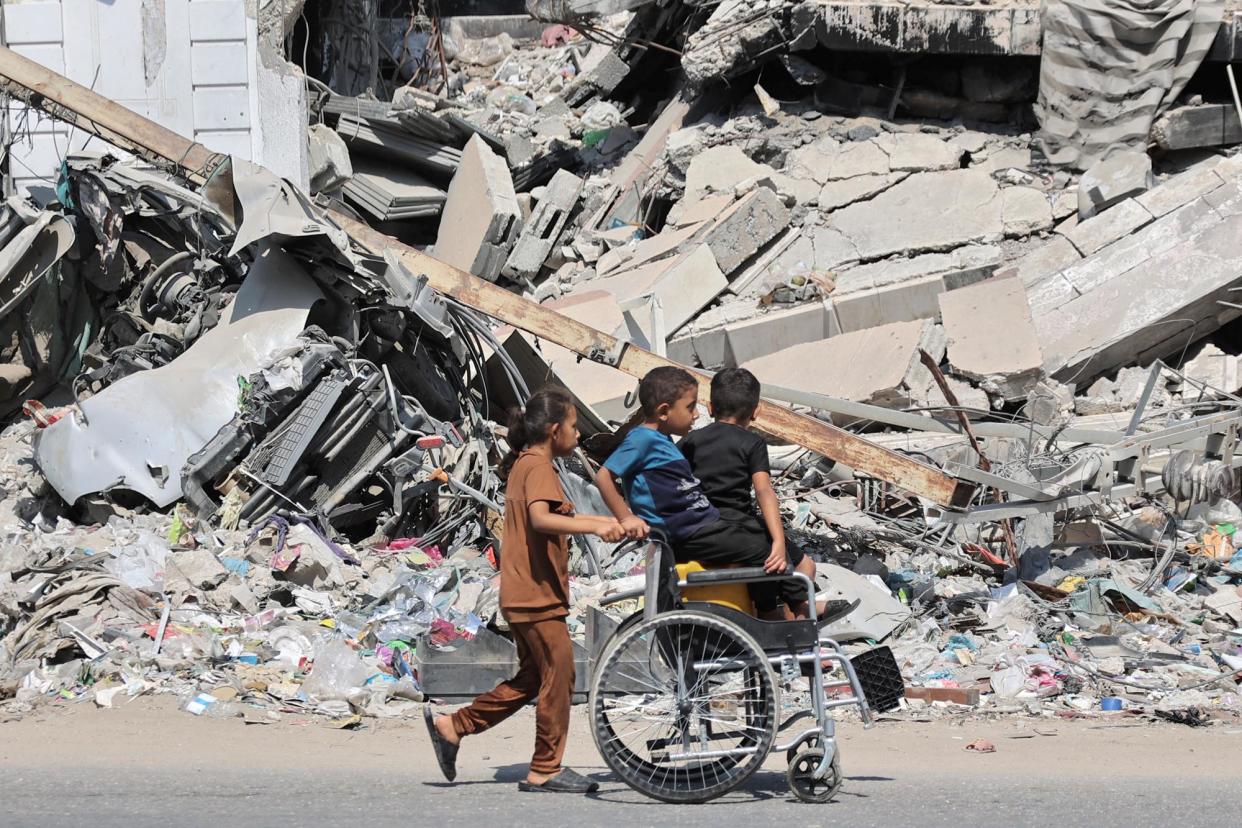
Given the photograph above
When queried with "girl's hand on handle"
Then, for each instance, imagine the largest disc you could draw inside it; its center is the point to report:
(609, 530)
(635, 527)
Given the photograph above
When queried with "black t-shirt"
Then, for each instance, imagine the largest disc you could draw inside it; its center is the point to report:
(723, 457)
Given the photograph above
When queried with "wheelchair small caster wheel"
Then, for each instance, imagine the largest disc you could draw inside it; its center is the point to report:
(801, 778)
(812, 741)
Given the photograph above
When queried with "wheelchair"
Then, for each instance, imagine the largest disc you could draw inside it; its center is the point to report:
(684, 699)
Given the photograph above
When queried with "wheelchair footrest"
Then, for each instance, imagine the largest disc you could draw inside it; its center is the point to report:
(880, 678)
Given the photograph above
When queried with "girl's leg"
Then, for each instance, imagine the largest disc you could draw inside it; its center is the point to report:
(551, 649)
(493, 707)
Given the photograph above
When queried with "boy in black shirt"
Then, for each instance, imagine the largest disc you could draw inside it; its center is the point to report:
(731, 462)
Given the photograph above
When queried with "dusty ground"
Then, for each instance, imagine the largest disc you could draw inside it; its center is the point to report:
(149, 763)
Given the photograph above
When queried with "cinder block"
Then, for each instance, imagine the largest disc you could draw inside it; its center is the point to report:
(544, 227)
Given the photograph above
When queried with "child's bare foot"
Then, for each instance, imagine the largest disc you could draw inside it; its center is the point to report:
(444, 726)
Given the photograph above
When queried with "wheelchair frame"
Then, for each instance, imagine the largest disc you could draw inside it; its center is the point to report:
(825, 650)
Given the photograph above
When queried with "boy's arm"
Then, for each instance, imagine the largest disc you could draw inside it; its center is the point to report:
(770, 508)
(543, 519)
(606, 482)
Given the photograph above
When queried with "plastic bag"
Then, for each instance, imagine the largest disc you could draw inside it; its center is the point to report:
(337, 673)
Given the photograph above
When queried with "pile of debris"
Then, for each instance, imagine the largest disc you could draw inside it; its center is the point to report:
(304, 515)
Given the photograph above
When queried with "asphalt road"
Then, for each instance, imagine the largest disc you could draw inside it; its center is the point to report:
(157, 766)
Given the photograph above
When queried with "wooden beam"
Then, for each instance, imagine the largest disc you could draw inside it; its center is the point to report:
(61, 98)
(1189, 127)
(779, 421)
(65, 99)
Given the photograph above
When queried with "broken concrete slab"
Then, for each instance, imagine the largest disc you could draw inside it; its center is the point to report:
(919, 152)
(963, 266)
(685, 213)
(837, 194)
(991, 337)
(1004, 158)
(902, 301)
(544, 226)
(792, 190)
(861, 158)
(1025, 210)
(926, 212)
(481, 218)
(1099, 231)
(745, 227)
(686, 287)
(719, 170)
(653, 248)
(1124, 174)
(833, 249)
(811, 161)
(791, 252)
(1182, 188)
(1213, 367)
(1148, 311)
(879, 365)
(1044, 260)
(967, 395)
(1081, 277)
(970, 141)
(775, 331)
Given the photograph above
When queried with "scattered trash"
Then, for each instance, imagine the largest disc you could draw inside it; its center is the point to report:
(1014, 446)
(981, 746)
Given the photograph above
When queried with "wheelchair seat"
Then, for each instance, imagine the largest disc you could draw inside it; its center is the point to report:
(735, 595)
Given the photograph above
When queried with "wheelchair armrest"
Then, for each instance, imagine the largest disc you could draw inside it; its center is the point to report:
(725, 576)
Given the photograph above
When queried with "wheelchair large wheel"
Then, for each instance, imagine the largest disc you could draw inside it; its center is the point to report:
(683, 706)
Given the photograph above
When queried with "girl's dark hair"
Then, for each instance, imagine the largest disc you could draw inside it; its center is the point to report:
(546, 407)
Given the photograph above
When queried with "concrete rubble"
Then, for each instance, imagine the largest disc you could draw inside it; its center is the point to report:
(315, 528)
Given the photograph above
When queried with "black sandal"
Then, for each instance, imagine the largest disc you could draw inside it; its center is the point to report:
(567, 781)
(835, 610)
(446, 751)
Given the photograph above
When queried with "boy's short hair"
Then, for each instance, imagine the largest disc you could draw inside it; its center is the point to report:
(663, 385)
(735, 393)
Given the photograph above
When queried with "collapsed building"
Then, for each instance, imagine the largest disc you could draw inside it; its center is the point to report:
(255, 419)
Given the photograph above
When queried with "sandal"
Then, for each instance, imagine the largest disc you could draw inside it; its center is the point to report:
(446, 751)
(567, 781)
(835, 610)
